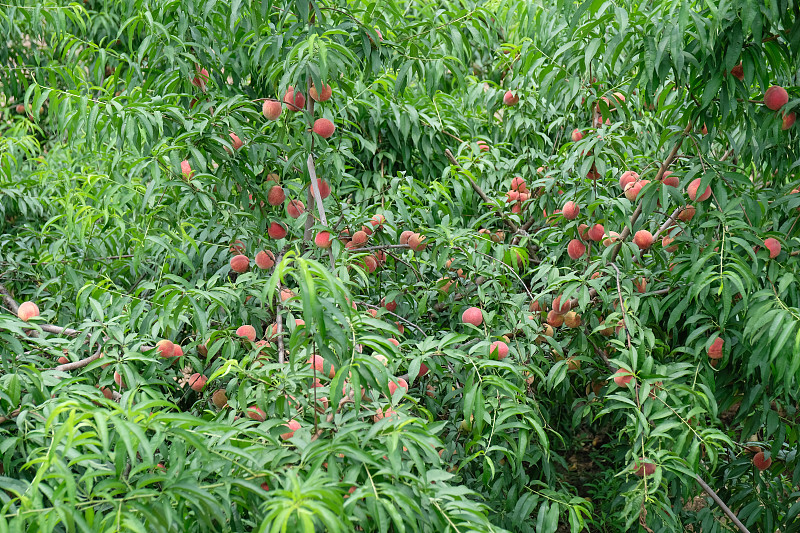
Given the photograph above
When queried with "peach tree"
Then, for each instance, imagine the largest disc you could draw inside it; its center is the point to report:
(397, 266)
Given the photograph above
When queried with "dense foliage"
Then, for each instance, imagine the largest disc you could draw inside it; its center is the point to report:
(169, 230)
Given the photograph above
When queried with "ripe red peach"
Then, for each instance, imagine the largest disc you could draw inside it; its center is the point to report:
(788, 120)
(473, 316)
(219, 399)
(276, 231)
(197, 381)
(691, 190)
(622, 377)
(295, 99)
(774, 247)
(715, 350)
(399, 384)
(644, 468)
(761, 461)
(240, 263)
(776, 97)
(317, 363)
(295, 208)
(271, 109)
(27, 310)
(323, 239)
(577, 135)
(687, 213)
(669, 179)
(255, 413)
(576, 249)
(276, 195)
(510, 99)
(186, 170)
(738, 72)
(570, 210)
(643, 239)
(265, 259)
(166, 348)
(561, 308)
(322, 96)
(247, 331)
(417, 242)
(555, 319)
(596, 233)
(323, 127)
(499, 350)
(629, 176)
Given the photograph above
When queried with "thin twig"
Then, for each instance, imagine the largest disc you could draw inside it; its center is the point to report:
(718, 500)
(669, 222)
(279, 340)
(380, 247)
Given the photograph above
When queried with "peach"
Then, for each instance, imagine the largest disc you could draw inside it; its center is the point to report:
(774, 247)
(498, 349)
(776, 97)
(271, 109)
(62, 360)
(573, 364)
(118, 380)
(389, 306)
(359, 238)
(323, 127)
(377, 221)
(197, 381)
(324, 188)
(666, 243)
(417, 242)
(254, 413)
(610, 238)
(788, 120)
(570, 210)
(643, 239)
(166, 348)
(236, 142)
(322, 96)
(644, 468)
(394, 342)
(518, 184)
(555, 319)
(473, 316)
(200, 79)
(276, 196)
(715, 350)
(691, 190)
(761, 461)
(276, 231)
(27, 310)
(510, 99)
(295, 208)
(240, 263)
(186, 170)
(640, 285)
(265, 260)
(560, 308)
(247, 331)
(596, 233)
(738, 72)
(669, 179)
(219, 399)
(295, 99)
(323, 239)
(286, 294)
(622, 377)
(237, 247)
(399, 384)
(483, 146)
(370, 263)
(632, 190)
(576, 249)
(318, 364)
(687, 213)
(577, 135)
(583, 231)
(572, 319)
(629, 176)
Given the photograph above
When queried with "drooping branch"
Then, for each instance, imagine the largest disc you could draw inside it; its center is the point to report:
(9, 300)
(66, 367)
(718, 501)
